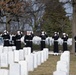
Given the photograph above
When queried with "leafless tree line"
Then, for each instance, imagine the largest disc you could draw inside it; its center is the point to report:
(21, 15)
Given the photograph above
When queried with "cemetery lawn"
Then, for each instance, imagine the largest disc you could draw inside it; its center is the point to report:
(49, 66)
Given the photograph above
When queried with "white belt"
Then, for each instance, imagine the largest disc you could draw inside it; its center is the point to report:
(56, 40)
(28, 40)
(18, 40)
(65, 41)
(6, 39)
(42, 40)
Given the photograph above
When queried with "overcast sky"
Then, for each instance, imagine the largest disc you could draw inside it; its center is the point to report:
(68, 7)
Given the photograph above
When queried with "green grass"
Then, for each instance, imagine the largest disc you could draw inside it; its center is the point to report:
(73, 65)
(48, 67)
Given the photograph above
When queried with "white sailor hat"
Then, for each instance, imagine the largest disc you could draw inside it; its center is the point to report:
(55, 32)
(28, 32)
(64, 33)
(5, 31)
(18, 32)
(42, 32)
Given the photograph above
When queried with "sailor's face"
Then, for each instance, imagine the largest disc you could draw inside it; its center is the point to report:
(28, 33)
(18, 32)
(5, 33)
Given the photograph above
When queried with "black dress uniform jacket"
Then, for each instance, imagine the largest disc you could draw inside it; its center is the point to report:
(18, 41)
(28, 41)
(43, 37)
(6, 38)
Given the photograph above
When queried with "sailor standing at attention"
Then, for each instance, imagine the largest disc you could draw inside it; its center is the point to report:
(55, 48)
(6, 38)
(43, 38)
(28, 40)
(18, 40)
(65, 38)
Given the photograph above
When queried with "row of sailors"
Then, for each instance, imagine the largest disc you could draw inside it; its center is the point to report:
(16, 40)
(56, 37)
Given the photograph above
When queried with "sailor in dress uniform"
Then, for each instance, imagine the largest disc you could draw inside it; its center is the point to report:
(6, 38)
(65, 38)
(43, 38)
(18, 40)
(28, 40)
(56, 37)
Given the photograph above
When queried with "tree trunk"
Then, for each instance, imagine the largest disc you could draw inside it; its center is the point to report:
(74, 25)
(8, 19)
(8, 27)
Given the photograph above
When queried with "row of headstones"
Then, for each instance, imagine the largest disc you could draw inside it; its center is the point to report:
(63, 66)
(20, 62)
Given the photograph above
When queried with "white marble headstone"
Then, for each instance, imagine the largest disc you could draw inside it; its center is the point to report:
(29, 50)
(16, 55)
(1, 49)
(3, 72)
(25, 51)
(42, 56)
(24, 68)
(13, 48)
(62, 66)
(65, 57)
(38, 57)
(35, 60)
(47, 52)
(5, 49)
(10, 57)
(59, 73)
(4, 60)
(10, 48)
(30, 62)
(15, 69)
(21, 55)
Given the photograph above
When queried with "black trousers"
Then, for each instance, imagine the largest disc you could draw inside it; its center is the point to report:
(65, 48)
(18, 45)
(75, 47)
(42, 45)
(29, 44)
(6, 43)
(56, 49)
